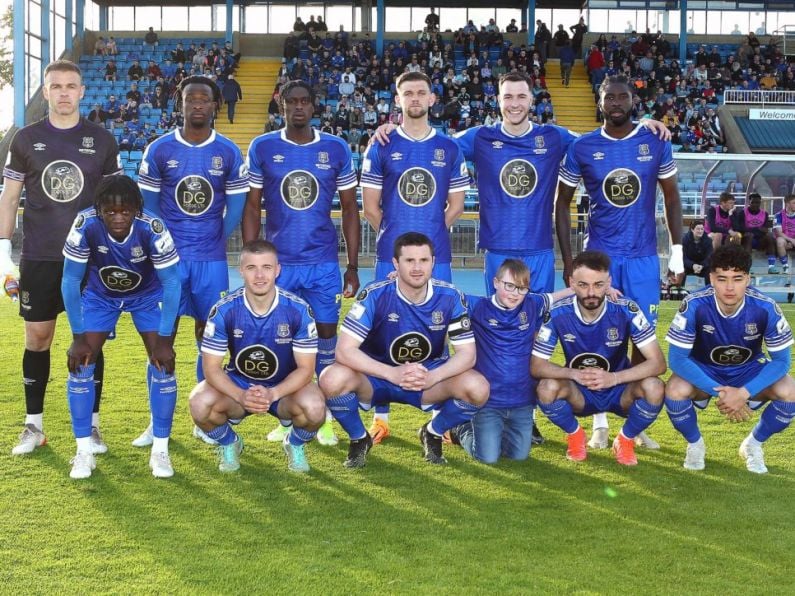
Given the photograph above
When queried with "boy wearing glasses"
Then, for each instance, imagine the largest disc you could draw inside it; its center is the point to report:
(505, 325)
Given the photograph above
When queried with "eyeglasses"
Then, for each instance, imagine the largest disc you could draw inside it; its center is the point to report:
(510, 287)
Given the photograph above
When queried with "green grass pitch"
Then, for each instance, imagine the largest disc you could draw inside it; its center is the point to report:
(398, 526)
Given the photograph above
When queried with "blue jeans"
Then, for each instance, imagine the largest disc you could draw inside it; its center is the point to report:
(495, 432)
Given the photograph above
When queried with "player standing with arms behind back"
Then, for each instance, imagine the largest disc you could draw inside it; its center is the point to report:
(59, 161)
(620, 165)
(297, 170)
(196, 180)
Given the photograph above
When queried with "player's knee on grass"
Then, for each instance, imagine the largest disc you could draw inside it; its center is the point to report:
(652, 390)
(548, 390)
(678, 389)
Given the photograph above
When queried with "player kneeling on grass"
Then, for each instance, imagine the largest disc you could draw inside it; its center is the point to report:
(594, 332)
(272, 343)
(132, 267)
(716, 350)
(393, 349)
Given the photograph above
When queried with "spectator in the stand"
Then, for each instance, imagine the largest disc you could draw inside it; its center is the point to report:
(299, 25)
(291, 47)
(736, 30)
(168, 70)
(719, 221)
(135, 72)
(126, 140)
(111, 72)
(512, 28)
(356, 119)
(232, 93)
(273, 105)
(159, 99)
(755, 225)
(134, 93)
(543, 39)
(153, 71)
(566, 55)
(97, 115)
(100, 46)
(321, 24)
(129, 111)
(178, 54)
(596, 66)
(314, 43)
(561, 37)
(140, 141)
(111, 49)
(696, 250)
(150, 39)
(346, 86)
(432, 20)
(578, 33)
(146, 100)
(112, 107)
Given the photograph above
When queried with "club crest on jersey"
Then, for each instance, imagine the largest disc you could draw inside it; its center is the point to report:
(283, 330)
(612, 334)
(643, 153)
(621, 187)
(194, 195)
(88, 142)
(62, 181)
(257, 362)
(137, 251)
(437, 317)
(410, 347)
(299, 189)
(80, 221)
(590, 360)
(322, 156)
(217, 164)
(539, 141)
(416, 187)
(523, 318)
(750, 329)
(157, 226)
(518, 178)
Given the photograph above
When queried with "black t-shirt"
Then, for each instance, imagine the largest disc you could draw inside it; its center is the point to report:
(60, 169)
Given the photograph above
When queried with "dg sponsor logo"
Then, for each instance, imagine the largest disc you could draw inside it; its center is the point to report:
(62, 181)
(730, 355)
(194, 195)
(518, 178)
(118, 279)
(621, 187)
(299, 189)
(416, 187)
(257, 362)
(589, 360)
(410, 347)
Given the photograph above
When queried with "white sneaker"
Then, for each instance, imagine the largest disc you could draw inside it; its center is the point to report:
(277, 434)
(30, 438)
(98, 446)
(83, 463)
(751, 452)
(599, 438)
(160, 463)
(145, 439)
(200, 434)
(644, 440)
(694, 456)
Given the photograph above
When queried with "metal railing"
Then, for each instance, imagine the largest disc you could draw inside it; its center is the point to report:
(760, 96)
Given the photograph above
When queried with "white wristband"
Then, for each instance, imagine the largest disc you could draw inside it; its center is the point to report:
(6, 263)
(676, 262)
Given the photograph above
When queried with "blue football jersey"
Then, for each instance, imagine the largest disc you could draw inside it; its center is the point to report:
(123, 269)
(415, 178)
(516, 180)
(621, 177)
(729, 346)
(193, 181)
(261, 347)
(299, 183)
(601, 343)
(504, 340)
(394, 331)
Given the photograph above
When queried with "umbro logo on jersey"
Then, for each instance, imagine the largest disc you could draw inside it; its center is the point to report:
(102, 249)
(497, 144)
(278, 159)
(393, 317)
(39, 146)
(708, 329)
(598, 155)
(493, 323)
(396, 156)
(172, 163)
(569, 337)
(237, 333)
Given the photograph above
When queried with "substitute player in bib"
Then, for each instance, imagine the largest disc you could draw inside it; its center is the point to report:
(621, 165)
(132, 267)
(755, 225)
(298, 170)
(594, 332)
(58, 161)
(416, 183)
(272, 342)
(196, 180)
(393, 350)
(716, 342)
(784, 232)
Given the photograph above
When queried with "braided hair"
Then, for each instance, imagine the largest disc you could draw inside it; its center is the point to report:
(118, 189)
(196, 80)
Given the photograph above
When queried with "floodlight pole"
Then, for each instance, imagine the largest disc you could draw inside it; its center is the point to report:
(682, 32)
(531, 21)
(45, 36)
(380, 23)
(19, 63)
(229, 11)
(67, 29)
